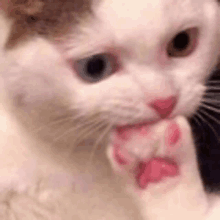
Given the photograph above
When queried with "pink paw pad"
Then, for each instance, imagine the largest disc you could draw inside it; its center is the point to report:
(123, 133)
(118, 156)
(121, 137)
(172, 136)
(155, 170)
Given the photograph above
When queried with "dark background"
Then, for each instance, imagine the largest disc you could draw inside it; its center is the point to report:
(208, 141)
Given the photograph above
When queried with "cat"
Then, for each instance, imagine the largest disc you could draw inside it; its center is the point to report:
(71, 71)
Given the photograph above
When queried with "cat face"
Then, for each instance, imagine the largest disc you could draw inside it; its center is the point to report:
(118, 62)
(151, 50)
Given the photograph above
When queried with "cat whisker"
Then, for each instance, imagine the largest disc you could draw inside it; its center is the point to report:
(91, 129)
(72, 129)
(211, 101)
(95, 146)
(203, 119)
(59, 121)
(14, 215)
(88, 131)
(68, 119)
(213, 88)
(205, 106)
(196, 119)
(213, 82)
(78, 124)
(212, 94)
(209, 116)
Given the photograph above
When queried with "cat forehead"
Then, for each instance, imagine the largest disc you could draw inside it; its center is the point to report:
(134, 23)
(130, 7)
(60, 17)
(145, 17)
(148, 13)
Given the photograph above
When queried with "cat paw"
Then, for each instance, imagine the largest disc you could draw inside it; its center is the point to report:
(154, 171)
(146, 152)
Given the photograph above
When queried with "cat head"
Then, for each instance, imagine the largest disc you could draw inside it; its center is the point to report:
(109, 63)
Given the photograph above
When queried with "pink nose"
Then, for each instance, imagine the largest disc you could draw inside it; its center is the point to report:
(164, 106)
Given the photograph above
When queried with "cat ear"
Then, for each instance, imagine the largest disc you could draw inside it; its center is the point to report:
(17, 8)
(23, 15)
(43, 17)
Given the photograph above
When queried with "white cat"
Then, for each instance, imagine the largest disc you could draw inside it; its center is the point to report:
(73, 71)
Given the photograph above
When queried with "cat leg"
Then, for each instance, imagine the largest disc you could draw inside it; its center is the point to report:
(166, 184)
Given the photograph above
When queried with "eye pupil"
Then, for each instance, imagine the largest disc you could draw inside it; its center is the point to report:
(181, 41)
(96, 66)
(184, 43)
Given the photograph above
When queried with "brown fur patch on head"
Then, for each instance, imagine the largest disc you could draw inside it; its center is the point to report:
(50, 18)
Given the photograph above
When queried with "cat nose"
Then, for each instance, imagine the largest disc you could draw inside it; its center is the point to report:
(164, 106)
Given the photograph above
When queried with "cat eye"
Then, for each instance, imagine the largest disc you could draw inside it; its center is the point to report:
(96, 68)
(183, 44)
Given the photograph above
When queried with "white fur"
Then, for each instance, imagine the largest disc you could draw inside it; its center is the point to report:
(38, 71)
(180, 197)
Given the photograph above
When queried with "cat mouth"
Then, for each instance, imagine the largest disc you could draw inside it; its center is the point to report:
(126, 131)
(133, 140)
